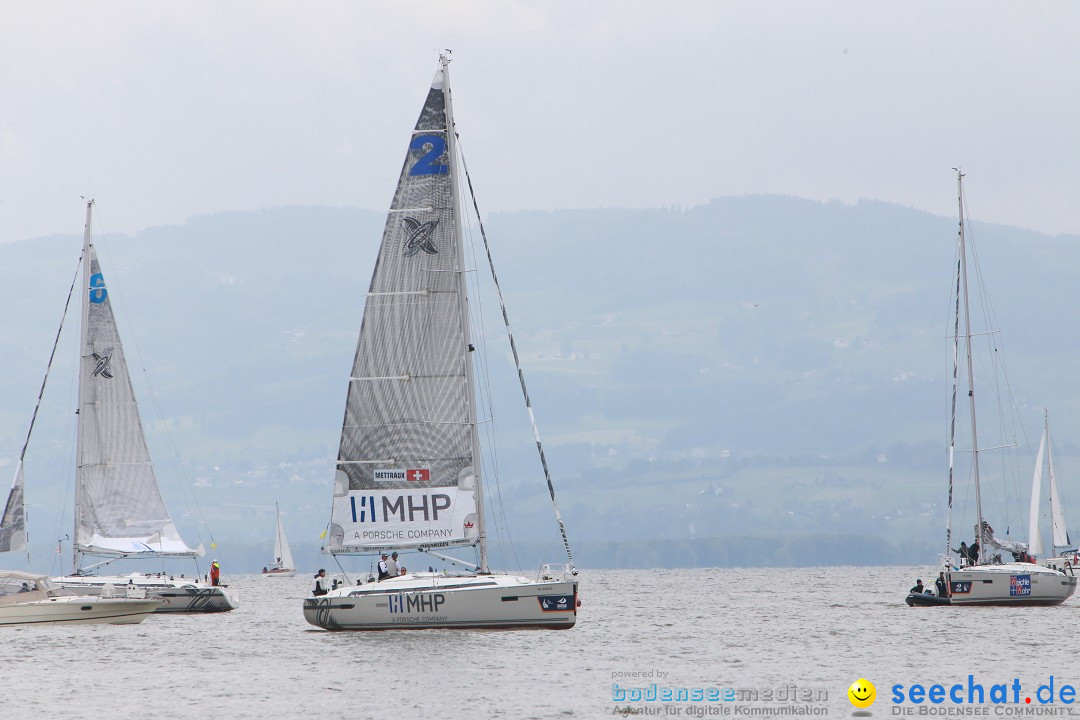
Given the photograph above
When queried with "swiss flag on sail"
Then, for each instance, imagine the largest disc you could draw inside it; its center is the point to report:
(418, 475)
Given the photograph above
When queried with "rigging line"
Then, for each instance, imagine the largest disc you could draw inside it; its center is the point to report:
(70, 463)
(521, 374)
(41, 394)
(52, 356)
(1009, 421)
(490, 433)
(998, 361)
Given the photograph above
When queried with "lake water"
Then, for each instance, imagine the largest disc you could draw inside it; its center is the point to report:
(765, 631)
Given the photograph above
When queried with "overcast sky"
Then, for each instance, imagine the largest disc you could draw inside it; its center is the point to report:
(167, 110)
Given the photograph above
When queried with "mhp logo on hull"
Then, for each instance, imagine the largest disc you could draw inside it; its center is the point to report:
(427, 603)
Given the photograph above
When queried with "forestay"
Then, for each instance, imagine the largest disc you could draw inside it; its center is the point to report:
(406, 472)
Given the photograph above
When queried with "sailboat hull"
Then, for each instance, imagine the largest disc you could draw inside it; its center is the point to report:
(279, 573)
(421, 602)
(184, 595)
(1013, 584)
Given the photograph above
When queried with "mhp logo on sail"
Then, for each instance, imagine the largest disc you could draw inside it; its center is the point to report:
(395, 509)
(402, 603)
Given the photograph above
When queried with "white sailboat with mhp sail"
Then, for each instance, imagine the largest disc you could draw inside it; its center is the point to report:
(408, 471)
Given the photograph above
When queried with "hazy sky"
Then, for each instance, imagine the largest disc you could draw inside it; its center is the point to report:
(167, 110)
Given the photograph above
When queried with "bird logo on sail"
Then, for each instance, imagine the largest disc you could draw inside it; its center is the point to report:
(103, 361)
(419, 236)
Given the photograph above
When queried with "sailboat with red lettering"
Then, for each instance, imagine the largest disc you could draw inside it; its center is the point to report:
(980, 576)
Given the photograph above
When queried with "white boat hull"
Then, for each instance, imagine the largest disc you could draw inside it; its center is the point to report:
(184, 595)
(77, 610)
(415, 602)
(279, 573)
(1009, 584)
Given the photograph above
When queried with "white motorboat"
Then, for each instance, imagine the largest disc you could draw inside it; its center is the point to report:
(29, 599)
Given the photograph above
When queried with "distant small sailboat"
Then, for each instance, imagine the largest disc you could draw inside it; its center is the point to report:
(283, 565)
(1063, 553)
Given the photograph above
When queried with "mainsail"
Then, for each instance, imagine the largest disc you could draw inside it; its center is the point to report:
(407, 469)
(118, 506)
(1034, 540)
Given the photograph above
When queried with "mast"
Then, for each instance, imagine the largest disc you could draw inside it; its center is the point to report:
(971, 378)
(470, 382)
(83, 389)
(277, 533)
(952, 413)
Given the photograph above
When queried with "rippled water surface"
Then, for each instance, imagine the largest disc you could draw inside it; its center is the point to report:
(818, 629)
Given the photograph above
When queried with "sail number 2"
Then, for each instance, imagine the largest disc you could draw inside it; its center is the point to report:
(426, 165)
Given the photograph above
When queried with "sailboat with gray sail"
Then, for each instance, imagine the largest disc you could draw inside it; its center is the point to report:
(119, 511)
(408, 469)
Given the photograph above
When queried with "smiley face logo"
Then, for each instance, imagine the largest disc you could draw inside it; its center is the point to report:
(862, 693)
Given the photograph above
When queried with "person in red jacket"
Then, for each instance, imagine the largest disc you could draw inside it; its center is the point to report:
(215, 573)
